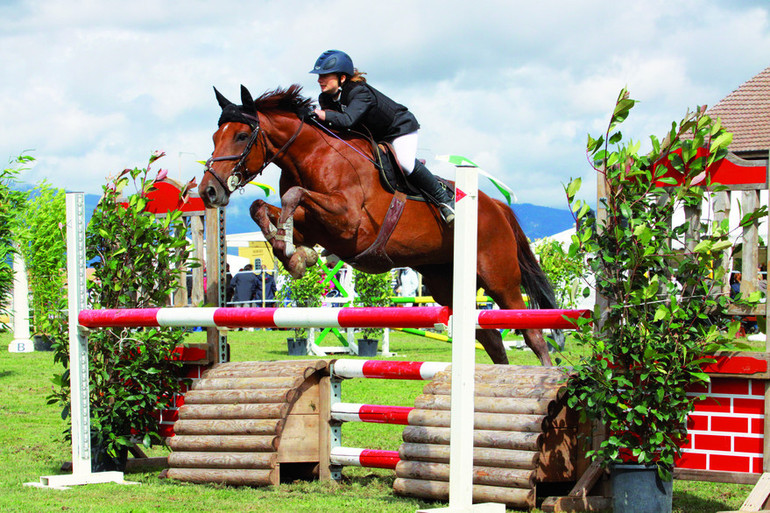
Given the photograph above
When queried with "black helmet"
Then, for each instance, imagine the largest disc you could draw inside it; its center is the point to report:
(333, 61)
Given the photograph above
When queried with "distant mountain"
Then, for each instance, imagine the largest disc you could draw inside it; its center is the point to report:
(536, 221)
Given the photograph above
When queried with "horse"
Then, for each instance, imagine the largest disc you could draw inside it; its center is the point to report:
(332, 195)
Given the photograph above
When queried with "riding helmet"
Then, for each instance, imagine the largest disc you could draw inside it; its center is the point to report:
(333, 61)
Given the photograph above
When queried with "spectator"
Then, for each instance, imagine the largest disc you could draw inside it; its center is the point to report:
(244, 285)
(266, 288)
(228, 285)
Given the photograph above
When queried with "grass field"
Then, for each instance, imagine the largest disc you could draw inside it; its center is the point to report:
(31, 445)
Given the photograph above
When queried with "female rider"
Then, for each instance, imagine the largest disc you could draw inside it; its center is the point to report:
(347, 102)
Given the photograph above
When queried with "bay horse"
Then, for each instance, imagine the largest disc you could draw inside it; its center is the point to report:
(332, 196)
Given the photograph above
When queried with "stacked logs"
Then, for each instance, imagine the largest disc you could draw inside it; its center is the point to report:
(231, 424)
(523, 435)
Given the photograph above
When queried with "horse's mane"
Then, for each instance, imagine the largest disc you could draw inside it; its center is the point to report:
(288, 100)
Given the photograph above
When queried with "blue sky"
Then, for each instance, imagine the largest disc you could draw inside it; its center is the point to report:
(93, 87)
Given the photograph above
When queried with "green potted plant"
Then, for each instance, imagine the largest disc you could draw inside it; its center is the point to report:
(42, 243)
(133, 372)
(661, 318)
(306, 291)
(371, 290)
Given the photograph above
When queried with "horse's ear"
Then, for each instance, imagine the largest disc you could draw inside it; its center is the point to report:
(223, 102)
(247, 101)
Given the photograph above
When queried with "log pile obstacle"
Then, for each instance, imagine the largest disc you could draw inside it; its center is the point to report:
(258, 423)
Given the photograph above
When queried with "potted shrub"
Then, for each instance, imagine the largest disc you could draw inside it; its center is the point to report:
(662, 315)
(42, 242)
(133, 373)
(371, 290)
(306, 291)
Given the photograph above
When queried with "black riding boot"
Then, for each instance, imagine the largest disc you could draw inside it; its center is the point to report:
(424, 180)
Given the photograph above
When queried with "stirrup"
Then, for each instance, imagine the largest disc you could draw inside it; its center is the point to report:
(447, 213)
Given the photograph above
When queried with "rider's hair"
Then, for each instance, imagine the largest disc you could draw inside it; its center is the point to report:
(358, 76)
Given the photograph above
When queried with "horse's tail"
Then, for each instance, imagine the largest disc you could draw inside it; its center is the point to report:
(534, 281)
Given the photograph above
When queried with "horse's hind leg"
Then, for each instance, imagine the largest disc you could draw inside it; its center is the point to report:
(439, 282)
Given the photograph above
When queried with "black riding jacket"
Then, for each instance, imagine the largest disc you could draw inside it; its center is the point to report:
(362, 106)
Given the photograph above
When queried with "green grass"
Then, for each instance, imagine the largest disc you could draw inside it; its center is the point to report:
(31, 445)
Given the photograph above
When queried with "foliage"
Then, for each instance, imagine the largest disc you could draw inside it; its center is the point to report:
(11, 202)
(134, 256)
(660, 323)
(306, 291)
(371, 290)
(563, 270)
(42, 242)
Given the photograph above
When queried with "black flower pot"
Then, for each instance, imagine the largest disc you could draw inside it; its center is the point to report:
(297, 346)
(367, 346)
(638, 489)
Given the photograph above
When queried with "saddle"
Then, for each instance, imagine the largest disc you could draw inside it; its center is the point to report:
(374, 258)
(392, 176)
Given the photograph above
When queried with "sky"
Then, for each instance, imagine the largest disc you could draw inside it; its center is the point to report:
(91, 87)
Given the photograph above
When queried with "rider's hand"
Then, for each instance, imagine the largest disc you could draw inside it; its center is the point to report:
(321, 114)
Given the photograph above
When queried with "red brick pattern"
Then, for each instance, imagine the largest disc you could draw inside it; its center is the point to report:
(725, 431)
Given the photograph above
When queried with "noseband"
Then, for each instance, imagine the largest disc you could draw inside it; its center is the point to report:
(236, 179)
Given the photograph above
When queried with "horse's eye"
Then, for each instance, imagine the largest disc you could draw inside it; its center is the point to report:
(242, 136)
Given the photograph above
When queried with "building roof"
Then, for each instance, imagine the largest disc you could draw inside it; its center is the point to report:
(746, 113)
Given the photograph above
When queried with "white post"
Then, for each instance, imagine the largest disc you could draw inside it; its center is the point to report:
(21, 342)
(464, 348)
(77, 294)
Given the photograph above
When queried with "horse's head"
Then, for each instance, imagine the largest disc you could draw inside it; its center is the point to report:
(241, 147)
(233, 163)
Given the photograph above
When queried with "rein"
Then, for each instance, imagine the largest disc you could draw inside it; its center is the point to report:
(343, 141)
(236, 178)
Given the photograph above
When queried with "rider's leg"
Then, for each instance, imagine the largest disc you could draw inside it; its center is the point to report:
(419, 175)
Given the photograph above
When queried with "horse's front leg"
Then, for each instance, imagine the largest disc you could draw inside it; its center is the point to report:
(297, 260)
(264, 215)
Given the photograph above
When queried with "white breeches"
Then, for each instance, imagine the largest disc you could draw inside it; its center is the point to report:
(406, 151)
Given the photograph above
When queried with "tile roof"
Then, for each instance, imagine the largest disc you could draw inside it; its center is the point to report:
(746, 113)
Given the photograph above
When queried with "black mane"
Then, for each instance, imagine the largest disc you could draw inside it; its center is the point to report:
(287, 100)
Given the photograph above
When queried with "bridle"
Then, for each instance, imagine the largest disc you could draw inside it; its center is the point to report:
(236, 179)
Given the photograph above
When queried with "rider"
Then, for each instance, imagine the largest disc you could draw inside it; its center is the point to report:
(347, 101)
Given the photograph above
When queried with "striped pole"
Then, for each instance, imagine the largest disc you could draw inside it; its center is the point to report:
(375, 413)
(385, 369)
(530, 319)
(370, 458)
(365, 317)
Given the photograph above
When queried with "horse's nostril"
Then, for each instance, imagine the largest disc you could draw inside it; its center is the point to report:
(211, 192)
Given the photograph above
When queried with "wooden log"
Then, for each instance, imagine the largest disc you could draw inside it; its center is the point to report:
(233, 411)
(439, 490)
(272, 395)
(228, 426)
(508, 405)
(233, 477)
(252, 383)
(497, 439)
(243, 460)
(523, 390)
(533, 379)
(482, 456)
(490, 476)
(282, 364)
(266, 369)
(484, 421)
(226, 443)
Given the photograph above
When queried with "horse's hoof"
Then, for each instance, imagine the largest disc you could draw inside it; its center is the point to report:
(309, 254)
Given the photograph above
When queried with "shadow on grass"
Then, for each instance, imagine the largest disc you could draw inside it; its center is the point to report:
(691, 503)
